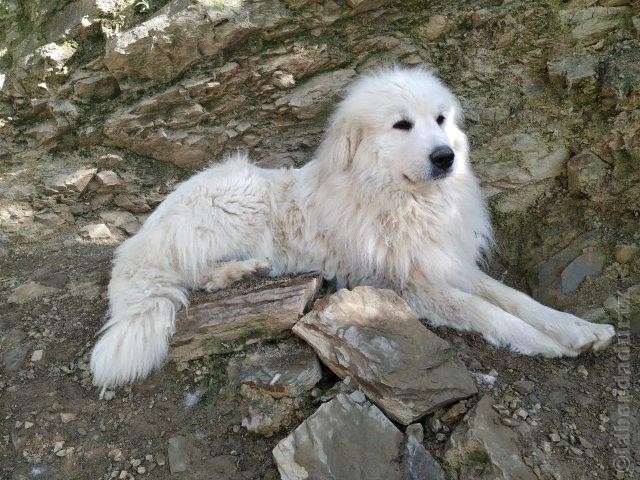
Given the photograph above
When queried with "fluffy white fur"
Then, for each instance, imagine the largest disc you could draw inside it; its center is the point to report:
(369, 209)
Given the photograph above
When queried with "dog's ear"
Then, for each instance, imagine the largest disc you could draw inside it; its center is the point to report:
(339, 146)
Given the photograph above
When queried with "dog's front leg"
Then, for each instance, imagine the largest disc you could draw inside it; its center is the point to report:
(453, 307)
(567, 329)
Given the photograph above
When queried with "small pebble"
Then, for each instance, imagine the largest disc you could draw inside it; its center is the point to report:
(522, 413)
(36, 356)
(524, 387)
(625, 253)
(576, 450)
(584, 443)
(475, 365)
(67, 417)
(434, 424)
(509, 422)
(357, 396)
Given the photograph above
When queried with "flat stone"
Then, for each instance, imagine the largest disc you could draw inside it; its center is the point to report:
(66, 417)
(36, 356)
(586, 265)
(482, 447)
(108, 179)
(178, 454)
(349, 440)
(524, 387)
(372, 336)
(30, 291)
(95, 231)
(51, 279)
(14, 358)
(246, 313)
(76, 181)
(133, 203)
(287, 370)
(120, 219)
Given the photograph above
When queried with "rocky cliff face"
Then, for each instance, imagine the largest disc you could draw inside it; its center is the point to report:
(551, 93)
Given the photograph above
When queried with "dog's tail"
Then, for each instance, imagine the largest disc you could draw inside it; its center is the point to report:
(142, 310)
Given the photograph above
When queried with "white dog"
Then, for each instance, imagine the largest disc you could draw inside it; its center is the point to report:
(389, 200)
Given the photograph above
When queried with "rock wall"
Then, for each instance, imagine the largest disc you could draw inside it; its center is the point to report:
(105, 104)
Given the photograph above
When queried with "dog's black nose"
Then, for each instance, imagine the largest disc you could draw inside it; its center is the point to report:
(442, 157)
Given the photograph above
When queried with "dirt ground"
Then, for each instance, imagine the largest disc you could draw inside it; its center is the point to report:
(51, 400)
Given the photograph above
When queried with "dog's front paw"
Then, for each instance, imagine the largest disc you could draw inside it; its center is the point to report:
(604, 336)
(580, 335)
(127, 351)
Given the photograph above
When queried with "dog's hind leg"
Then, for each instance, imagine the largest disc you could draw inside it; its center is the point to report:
(568, 330)
(225, 274)
(464, 311)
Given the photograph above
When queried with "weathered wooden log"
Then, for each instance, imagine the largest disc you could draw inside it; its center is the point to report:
(248, 312)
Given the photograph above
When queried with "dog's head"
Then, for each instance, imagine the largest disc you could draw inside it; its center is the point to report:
(400, 126)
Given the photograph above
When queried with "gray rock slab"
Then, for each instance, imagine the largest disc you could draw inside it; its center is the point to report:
(373, 336)
(178, 454)
(346, 439)
(289, 369)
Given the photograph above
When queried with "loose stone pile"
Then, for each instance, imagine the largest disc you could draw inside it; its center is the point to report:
(392, 369)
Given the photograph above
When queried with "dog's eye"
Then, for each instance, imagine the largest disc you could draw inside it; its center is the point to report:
(440, 120)
(403, 125)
